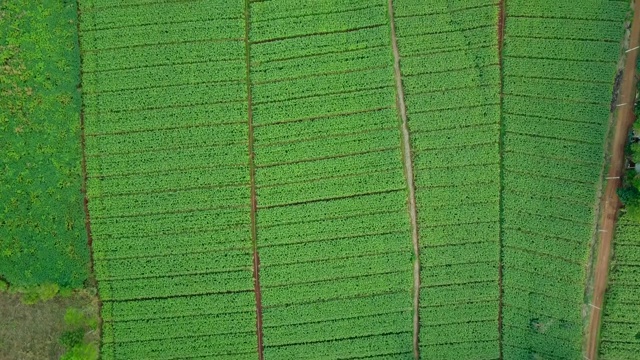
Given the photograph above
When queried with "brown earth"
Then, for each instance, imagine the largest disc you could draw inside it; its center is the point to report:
(32, 332)
(611, 202)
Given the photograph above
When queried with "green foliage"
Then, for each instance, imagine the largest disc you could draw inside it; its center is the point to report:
(42, 234)
(73, 338)
(34, 294)
(74, 317)
(4, 286)
(635, 152)
(82, 352)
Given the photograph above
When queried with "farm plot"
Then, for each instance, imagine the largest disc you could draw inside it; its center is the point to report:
(559, 64)
(42, 235)
(168, 177)
(451, 78)
(620, 331)
(333, 231)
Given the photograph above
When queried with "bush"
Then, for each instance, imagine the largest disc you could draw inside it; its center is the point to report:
(74, 317)
(40, 293)
(71, 339)
(82, 352)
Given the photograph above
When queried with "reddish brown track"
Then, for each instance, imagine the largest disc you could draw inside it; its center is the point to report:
(408, 169)
(501, 21)
(252, 180)
(85, 200)
(625, 118)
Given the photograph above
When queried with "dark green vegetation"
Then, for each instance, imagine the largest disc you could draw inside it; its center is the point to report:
(42, 233)
(63, 328)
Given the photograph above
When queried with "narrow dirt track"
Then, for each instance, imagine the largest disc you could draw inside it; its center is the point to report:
(252, 180)
(408, 169)
(625, 118)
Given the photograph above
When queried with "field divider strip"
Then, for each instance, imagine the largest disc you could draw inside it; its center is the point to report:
(167, 128)
(252, 181)
(561, 59)
(169, 65)
(83, 167)
(196, 41)
(410, 177)
(317, 75)
(353, 337)
(175, 22)
(426, 34)
(319, 33)
(325, 116)
(338, 298)
(502, 15)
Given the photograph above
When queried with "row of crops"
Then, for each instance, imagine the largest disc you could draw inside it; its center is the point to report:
(170, 187)
(559, 62)
(620, 332)
(451, 80)
(168, 178)
(332, 222)
(221, 135)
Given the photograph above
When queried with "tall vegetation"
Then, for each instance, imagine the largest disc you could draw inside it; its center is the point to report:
(42, 233)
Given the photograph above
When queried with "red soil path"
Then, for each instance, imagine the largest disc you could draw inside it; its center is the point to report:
(625, 118)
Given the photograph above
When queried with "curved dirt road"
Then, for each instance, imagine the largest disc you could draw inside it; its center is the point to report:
(625, 118)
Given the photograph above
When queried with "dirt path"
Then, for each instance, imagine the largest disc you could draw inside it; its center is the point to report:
(252, 177)
(408, 169)
(624, 120)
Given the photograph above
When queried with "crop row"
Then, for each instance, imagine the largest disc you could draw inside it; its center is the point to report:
(559, 63)
(619, 332)
(168, 178)
(101, 14)
(330, 184)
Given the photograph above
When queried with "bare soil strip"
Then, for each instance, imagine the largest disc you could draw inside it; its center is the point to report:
(252, 177)
(501, 21)
(408, 169)
(625, 118)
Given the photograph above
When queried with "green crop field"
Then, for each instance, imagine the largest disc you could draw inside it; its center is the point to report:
(304, 179)
(620, 332)
(559, 62)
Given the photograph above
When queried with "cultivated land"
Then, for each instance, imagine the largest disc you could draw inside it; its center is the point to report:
(42, 234)
(559, 62)
(619, 336)
(379, 179)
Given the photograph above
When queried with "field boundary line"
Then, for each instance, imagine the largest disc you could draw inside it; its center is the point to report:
(501, 145)
(83, 165)
(408, 170)
(252, 181)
